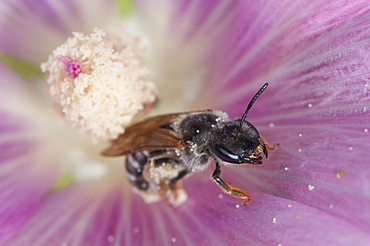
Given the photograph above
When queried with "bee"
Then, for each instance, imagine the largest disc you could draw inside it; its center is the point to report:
(162, 150)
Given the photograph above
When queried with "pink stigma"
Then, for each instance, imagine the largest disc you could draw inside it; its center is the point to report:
(72, 69)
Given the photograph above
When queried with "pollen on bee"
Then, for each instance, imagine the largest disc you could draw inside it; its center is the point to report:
(98, 82)
(339, 173)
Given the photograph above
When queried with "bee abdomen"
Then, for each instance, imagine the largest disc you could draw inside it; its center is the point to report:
(135, 165)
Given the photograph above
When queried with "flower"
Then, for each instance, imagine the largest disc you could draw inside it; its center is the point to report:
(56, 189)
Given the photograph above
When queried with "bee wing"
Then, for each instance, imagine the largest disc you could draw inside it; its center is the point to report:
(150, 134)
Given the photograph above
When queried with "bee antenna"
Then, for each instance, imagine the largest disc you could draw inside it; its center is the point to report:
(263, 88)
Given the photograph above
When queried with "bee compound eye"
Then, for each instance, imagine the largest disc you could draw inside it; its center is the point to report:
(225, 154)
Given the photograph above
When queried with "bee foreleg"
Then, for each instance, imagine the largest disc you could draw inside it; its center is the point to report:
(227, 188)
(268, 146)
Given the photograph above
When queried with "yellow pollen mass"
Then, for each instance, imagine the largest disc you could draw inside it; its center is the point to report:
(98, 82)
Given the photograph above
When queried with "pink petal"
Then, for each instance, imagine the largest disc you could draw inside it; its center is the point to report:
(31, 30)
(316, 106)
(315, 57)
(316, 43)
(25, 177)
(76, 216)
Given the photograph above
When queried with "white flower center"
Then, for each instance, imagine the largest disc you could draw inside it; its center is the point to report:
(98, 83)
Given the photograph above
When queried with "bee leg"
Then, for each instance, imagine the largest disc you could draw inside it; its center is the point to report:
(268, 146)
(227, 188)
(173, 181)
(173, 192)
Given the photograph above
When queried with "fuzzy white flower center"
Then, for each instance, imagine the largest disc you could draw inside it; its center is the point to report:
(98, 82)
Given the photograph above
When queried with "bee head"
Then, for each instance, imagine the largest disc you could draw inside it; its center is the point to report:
(239, 141)
(237, 144)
